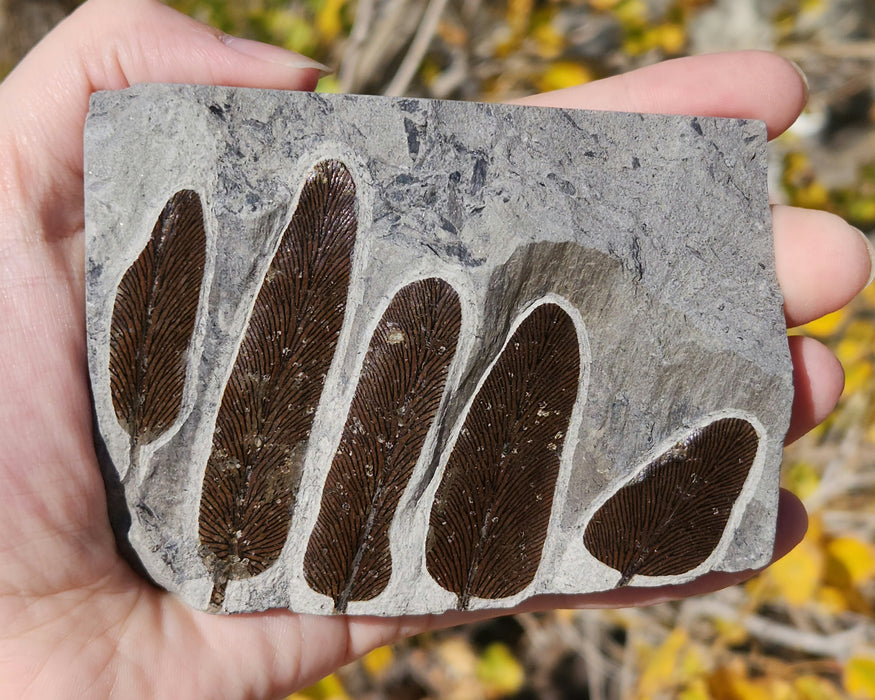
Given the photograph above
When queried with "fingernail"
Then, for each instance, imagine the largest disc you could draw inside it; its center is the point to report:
(273, 54)
(871, 250)
(804, 78)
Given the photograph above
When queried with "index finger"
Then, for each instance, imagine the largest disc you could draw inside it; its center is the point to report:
(747, 84)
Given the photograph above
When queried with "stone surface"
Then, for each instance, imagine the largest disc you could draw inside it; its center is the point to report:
(644, 240)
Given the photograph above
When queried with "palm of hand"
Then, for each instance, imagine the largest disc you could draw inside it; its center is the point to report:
(74, 619)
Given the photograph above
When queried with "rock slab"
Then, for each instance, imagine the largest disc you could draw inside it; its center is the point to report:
(397, 356)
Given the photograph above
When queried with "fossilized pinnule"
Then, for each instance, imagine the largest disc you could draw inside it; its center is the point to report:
(671, 516)
(490, 513)
(153, 321)
(395, 403)
(267, 409)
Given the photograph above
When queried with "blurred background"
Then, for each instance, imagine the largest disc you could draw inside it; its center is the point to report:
(804, 629)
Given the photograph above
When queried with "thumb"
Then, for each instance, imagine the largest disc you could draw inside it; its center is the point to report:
(108, 45)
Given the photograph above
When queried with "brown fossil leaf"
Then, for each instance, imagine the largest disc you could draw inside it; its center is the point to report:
(267, 409)
(490, 514)
(670, 518)
(153, 321)
(397, 397)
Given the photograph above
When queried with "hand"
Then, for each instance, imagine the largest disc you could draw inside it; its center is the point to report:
(74, 620)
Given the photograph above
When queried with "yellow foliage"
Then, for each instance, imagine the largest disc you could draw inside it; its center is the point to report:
(669, 37)
(862, 210)
(813, 6)
(796, 577)
(802, 479)
(663, 669)
(519, 12)
(329, 83)
(329, 688)
(603, 5)
(731, 682)
(796, 166)
(854, 351)
(854, 560)
(812, 196)
(378, 661)
(292, 31)
(563, 74)
(549, 43)
(825, 326)
(832, 600)
(730, 631)
(329, 19)
(695, 690)
(631, 13)
(859, 677)
(815, 688)
(499, 671)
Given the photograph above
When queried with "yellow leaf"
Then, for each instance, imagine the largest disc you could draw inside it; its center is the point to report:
(696, 690)
(378, 661)
(549, 43)
(291, 30)
(812, 196)
(832, 600)
(815, 688)
(563, 74)
(796, 165)
(796, 577)
(857, 374)
(861, 210)
(730, 631)
(519, 12)
(856, 558)
(813, 6)
(603, 5)
(329, 688)
(859, 677)
(825, 326)
(329, 83)
(802, 479)
(731, 683)
(631, 13)
(499, 671)
(660, 673)
(669, 37)
(329, 21)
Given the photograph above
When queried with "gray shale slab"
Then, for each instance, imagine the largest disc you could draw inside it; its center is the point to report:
(585, 303)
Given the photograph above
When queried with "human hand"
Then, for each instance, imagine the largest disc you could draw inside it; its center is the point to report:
(74, 619)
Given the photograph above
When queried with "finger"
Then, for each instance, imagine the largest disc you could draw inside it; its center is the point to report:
(103, 46)
(748, 84)
(822, 262)
(818, 378)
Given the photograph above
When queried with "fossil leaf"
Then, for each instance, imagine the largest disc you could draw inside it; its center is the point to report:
(153, 321)
(269, 402)
(671, 516)
(490, 513)
(397, 397)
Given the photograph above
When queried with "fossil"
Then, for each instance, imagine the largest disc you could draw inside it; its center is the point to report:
(386, 356)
